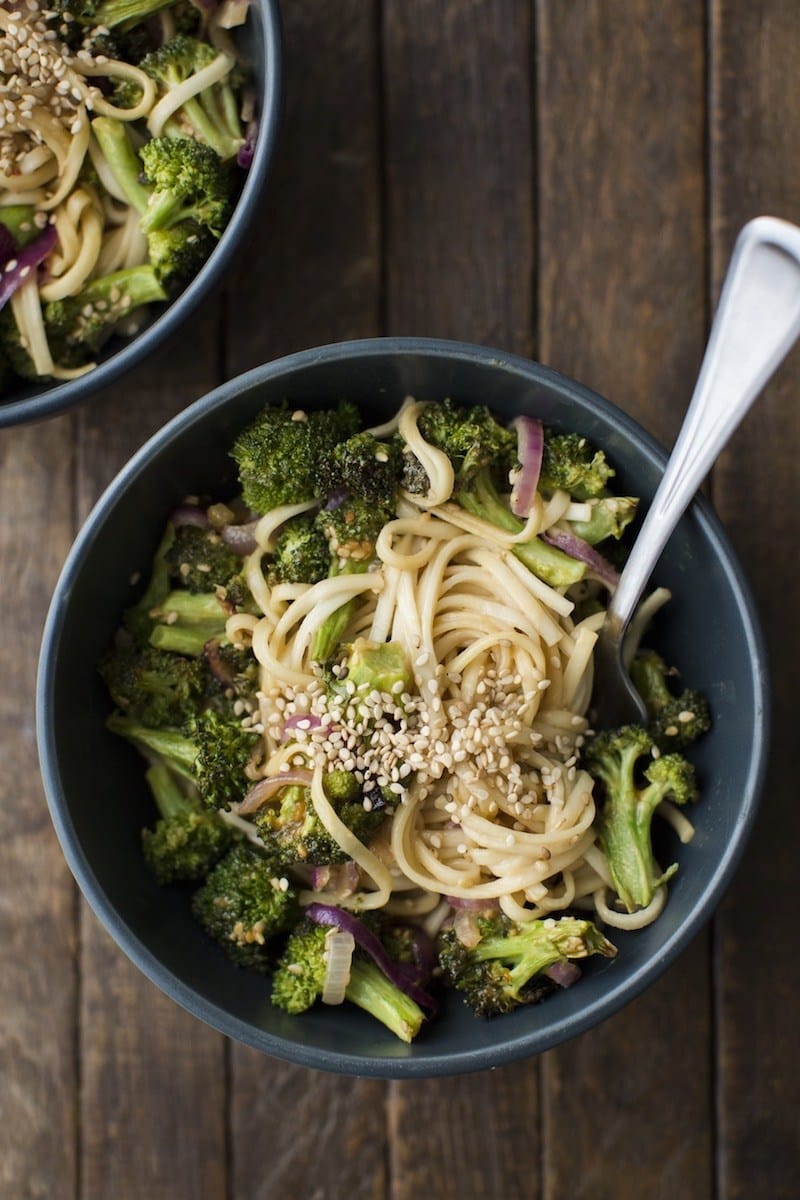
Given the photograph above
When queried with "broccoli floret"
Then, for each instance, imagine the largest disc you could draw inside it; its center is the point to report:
(299, 981)
(155, 687)
(470, 437)
(212, 754)
(627, 807)
(610, 517)
(187, 841)
(212, 115)
(108, 13)
(505, 969)
(188, 183)
(367, 469)
(675, 720)
(233, 674)
(571, 463)
(184, 621)
(177, 253)
(280, 455)
(302, 554)
(200, 561)
(243, 906)
(291, 829)
(80, 325)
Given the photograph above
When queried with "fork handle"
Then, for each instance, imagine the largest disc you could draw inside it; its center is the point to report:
(756, 324)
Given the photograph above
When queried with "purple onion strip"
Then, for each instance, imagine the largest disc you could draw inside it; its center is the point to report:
(8, 247)
(25, 261)
(563, 973)
(244, 155)
(339, 918)
(189, 514)
(530, 447)
(577, 548)
(294, 722)
(241, 538)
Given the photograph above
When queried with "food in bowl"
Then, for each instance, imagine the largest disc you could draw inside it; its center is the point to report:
(127, 124)
(362, 688)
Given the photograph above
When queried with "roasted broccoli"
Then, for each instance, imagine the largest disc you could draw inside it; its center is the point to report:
(280, 455)
(571, 463)
(137, 620)
(184, 621)
(187, 840)
(627, 805)
(176, 254)
(79, 326)
(199, 559)
(243, 906)
(210, 116)
(293, 833)
(213, 753)
(470, 437)
(505, 969)
(153, 686)
(108, 13)
(299, 981)
(675, 720)
(365, 468)
(302, 553)
(351, 530)
(189, 184)
(610, 517)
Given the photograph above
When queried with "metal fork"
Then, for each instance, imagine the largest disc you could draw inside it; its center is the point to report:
(756, 324)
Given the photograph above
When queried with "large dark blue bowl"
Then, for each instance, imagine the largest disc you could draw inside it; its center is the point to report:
(260, 39)
(94, 782)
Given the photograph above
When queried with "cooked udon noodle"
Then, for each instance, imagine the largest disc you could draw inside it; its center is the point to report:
(483, 753)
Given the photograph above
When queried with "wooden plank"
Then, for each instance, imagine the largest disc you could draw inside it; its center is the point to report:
(459, 264)
(459, 169)
(38, 1097)
(153, 1108)
(621, 306)
(755, 143)
(312, 275)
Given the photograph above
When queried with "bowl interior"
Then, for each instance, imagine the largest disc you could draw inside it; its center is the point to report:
(260, 43)
(95, 782)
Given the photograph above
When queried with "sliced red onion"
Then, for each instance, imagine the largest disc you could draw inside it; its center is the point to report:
(240, 538)
(577, 548)
(472, 905)
(8, 247)
(24, 262)
(219, 668)
(563, 973)
(265, 789)
(328, 914)
(190, 514)
(530, 446)
(244, 155)
(338, 881)
(465, 925)
(300, 720)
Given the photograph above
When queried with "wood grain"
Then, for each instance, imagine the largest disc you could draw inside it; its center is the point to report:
(153, 1107)
(38, 971)
(621, 306)
(312, 274)
(459, 263)
(459, 170)
(755, 144)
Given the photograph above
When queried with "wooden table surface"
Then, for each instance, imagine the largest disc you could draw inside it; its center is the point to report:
(564, 179)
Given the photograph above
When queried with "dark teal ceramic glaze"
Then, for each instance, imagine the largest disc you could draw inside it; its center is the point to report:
(95, 785)
(262, 39)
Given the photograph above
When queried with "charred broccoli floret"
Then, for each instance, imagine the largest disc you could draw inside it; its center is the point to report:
(675, 720)
(156, 687)
(302, 553)
(572, 464)
(470, 437)
(187, 840)
(299, 981)
(212, 755)
(280, 455)
(177, 253)
(506, 967)
(290, 828)
(188, 183)
(243, 906)
(79, 326)
(366, 468)
(630, 796)
(200, 561)
(212, 115)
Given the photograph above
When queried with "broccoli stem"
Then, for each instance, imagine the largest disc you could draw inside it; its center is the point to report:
(649, 678)
(18, 220)
(122, 159)
(182, 639)
(538, 951)
(610, 515)
(115, 12)
(625, 840)
(191, 608)
(170, 798)
(547, 562)
(331, 632)
(371, 990)
(179, 751)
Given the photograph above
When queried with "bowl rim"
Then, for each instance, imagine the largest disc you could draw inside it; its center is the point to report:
(70, 392)
(479, 1058)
